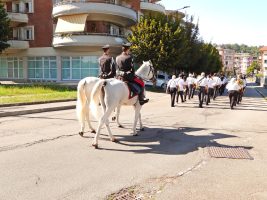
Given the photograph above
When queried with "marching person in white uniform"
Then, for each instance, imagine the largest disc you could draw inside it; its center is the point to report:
(172, 89)
(233, 91)
(180, 90)
(202, 84)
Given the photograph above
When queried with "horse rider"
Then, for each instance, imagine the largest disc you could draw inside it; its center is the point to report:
(107, 64)
(233, 91)
(126, 70)
(202, 83)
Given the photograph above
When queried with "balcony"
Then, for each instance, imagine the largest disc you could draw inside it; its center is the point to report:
(152, 7)
(16, 46)
(116, 13)
(17, 18)
(81, 41)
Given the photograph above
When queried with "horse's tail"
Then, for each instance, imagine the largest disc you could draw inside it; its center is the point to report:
(97, 96)
(81, 104)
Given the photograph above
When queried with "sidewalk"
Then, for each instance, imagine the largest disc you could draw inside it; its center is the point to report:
(36, 108)
(262, 91)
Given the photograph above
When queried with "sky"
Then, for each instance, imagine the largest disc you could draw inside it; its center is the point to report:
(227, 21)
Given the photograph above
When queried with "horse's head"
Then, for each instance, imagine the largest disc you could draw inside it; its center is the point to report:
(147, 71)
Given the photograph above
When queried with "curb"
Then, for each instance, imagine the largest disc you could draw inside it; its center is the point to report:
(39, 110)
(38, 102)
(260, 93)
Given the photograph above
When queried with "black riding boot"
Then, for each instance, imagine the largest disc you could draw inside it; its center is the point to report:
(141, 97)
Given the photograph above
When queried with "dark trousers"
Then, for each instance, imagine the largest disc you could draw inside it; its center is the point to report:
(216, 92)
(222, 88)
(239, 96)
(186, 91)
(209, 95)
(201, 95)
(191, 91)
(233, 95)
(181, 94)
(173, 92)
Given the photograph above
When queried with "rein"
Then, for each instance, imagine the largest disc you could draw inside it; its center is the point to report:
(150, 70)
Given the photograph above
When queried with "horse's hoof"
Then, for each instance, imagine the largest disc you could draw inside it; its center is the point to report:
(93, 131)
(135, 134)
(113, 118)
(142, 129)
(81, 134)
(120, 126)
(114, 140)
(95, 145)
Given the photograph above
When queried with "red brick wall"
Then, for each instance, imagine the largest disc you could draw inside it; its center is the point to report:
(9, 6)
(135, 5)
(43, 23)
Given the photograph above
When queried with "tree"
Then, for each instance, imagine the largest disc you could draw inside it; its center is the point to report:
(254, 66)
(173, 45)
(5, 28)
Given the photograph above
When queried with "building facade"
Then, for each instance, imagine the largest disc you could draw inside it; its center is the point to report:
(242, 62)
(228, 59)
(61, 40)
(263, 52)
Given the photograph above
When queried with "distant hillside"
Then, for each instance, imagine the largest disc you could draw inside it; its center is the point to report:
(254, 50)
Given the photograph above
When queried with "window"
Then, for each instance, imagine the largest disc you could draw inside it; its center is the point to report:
(11, 67)
(265, 61)
(23, 33)
(42, 68)
(28, 33)
(114, 30)
(28, 7)
(76, 68)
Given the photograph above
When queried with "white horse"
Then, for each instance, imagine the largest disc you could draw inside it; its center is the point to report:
(113, 93)
(84, 90)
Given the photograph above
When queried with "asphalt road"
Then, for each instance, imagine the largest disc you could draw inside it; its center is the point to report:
(43, 157)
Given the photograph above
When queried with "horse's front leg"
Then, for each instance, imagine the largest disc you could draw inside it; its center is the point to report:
(140, 122)
(137, 109)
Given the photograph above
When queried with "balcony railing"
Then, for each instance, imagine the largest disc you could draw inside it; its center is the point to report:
(120, 14)
(89, 33)
(63, 2)
(87, 39)
(18, 17)
(152, 7)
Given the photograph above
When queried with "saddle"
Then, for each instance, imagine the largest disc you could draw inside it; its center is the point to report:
(134, 87)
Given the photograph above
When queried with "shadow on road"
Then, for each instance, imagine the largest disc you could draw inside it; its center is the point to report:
(169, 141)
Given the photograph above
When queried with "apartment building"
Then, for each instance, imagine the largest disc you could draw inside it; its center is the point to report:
(227, 56)
(263, 51)
(242, 62)
(61, 40)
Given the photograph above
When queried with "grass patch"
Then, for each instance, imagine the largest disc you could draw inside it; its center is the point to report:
(35, 93)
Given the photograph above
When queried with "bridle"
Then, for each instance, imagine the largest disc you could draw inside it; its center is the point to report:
(151, 70)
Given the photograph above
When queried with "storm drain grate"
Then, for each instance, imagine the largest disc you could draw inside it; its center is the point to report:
(229, 152)
(124, 195)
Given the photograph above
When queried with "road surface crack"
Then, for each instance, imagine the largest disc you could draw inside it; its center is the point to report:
(29, 144)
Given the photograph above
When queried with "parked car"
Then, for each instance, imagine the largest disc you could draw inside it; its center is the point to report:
(162, 80)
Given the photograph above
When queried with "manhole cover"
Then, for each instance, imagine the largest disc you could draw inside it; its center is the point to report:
(229, 152)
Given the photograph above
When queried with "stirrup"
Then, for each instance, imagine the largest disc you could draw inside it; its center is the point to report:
(143, 101)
